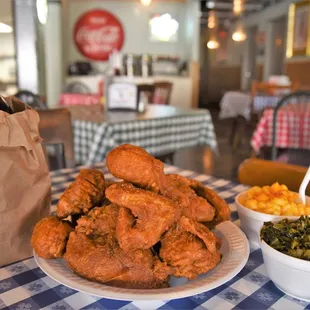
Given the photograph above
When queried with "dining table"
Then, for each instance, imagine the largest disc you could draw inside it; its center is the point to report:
(160, 129)
(23, 285)
(292, 128)
(237, 103)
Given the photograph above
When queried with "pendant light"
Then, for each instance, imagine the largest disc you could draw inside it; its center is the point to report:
(238, 7)
(239, 35)
(213, 44)
(212, 20)
(146, 2)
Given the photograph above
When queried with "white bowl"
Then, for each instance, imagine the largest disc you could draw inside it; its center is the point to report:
(291, 275)
(251, 221)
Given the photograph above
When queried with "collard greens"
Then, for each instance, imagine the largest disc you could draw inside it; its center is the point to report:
(289, 237)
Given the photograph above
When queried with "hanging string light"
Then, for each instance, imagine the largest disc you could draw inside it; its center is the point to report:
(239, 35)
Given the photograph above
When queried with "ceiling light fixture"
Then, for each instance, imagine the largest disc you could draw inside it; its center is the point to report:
(213, 44)
(4, 28)
(146, 2)
(210, 5)
(212, 21)
(239, 35)
(238, 7)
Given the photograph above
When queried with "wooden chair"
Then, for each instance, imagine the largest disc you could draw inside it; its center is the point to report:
(31, 99)
(259, 172)
(148, 90)
(162, 92)
(56, 129)
(293, 100)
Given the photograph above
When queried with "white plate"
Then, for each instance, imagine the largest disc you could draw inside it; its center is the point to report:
(235, 250)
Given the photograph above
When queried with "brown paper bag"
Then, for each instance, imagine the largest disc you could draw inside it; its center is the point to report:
(24, 181)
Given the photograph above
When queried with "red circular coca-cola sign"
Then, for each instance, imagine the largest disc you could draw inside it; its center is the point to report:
(97, 33)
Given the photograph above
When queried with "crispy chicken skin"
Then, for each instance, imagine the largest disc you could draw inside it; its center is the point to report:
(190, 248)
(82, 195)
(99, 222)
(143, 216)
(193, 206)
(106, 262)
(134, 164)
(222, 210)
(50, 237)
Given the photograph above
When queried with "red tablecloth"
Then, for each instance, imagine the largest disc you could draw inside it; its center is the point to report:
(293, 128)
(67, 99)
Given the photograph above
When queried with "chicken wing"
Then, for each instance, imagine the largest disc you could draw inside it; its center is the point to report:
(190, 248)
(85, 193)
(222, 210)
(144, 215)
(193, 206)
(50, 237)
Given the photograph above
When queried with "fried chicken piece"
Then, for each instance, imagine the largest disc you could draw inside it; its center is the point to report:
(144, 216)
(50, 236)
(99, 222)
(135, 165)
(222, 210)
(106, 262)
(190, 248)
(82, 195)
(193, 206)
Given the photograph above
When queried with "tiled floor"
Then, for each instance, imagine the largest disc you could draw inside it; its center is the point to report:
(226, 162)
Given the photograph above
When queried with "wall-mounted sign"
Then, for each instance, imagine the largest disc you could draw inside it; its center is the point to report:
(163, 28)
(298, 38)
(97, 33)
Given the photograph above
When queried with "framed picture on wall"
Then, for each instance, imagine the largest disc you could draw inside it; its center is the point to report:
(298, 29)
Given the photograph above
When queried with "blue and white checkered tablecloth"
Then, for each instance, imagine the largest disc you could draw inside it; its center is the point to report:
(158, 136)
(24, 286)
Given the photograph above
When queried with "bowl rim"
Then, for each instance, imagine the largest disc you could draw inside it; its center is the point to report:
(298, 262)
(258, 213)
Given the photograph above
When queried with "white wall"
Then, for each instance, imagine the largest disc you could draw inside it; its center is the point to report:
(135, 18)
(7, 65)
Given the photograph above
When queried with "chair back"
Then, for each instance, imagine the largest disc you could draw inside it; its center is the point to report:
(31, 99)
(265, 88)
(148, 90)
(77, 88)
(297, 101)
(259, 172)
(162, 92)
(56, 128)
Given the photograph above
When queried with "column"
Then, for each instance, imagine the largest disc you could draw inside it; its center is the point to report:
(249, 59)
(25, 39)
(53, 53)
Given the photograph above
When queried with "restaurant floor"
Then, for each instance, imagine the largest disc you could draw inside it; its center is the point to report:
(226, 162)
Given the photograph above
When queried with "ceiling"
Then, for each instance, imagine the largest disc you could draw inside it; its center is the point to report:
(224, 9)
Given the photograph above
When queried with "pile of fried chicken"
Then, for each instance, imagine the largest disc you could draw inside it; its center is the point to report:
(134, 233)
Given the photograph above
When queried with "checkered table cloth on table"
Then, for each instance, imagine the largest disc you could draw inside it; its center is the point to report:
(262, 102)
(293, 128)
(24, 286)
(92, 141)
